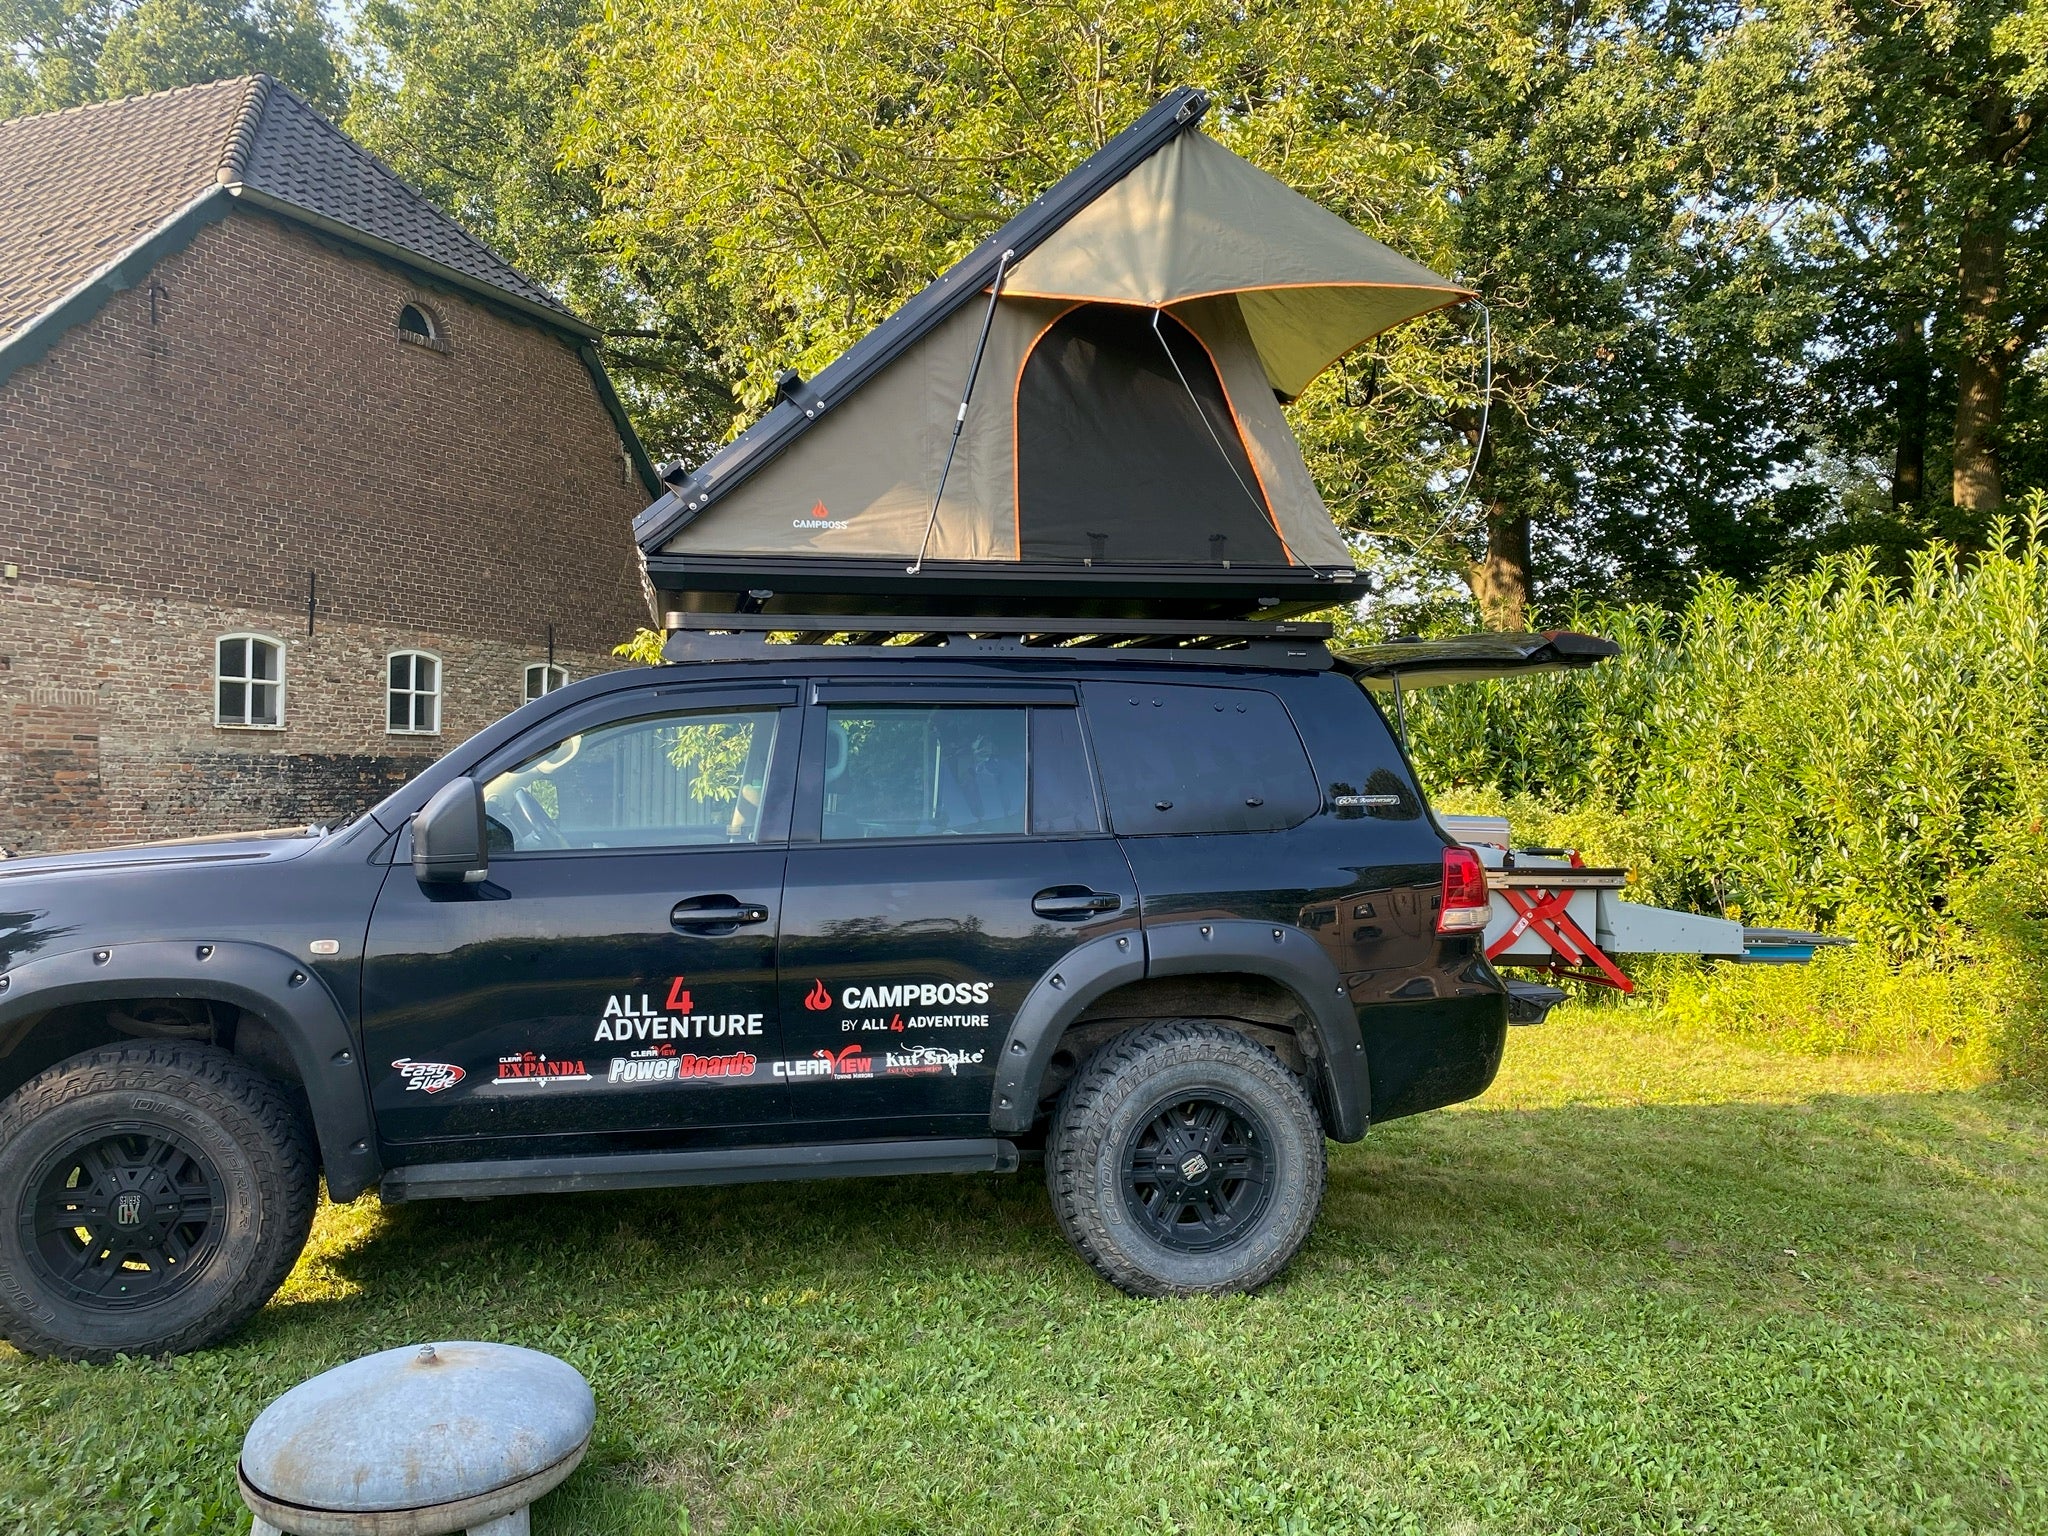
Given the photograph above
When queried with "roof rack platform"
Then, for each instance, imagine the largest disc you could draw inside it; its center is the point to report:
(1294, 645)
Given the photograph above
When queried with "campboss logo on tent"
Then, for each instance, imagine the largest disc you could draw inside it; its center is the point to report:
(819, 518)
(664, 1064)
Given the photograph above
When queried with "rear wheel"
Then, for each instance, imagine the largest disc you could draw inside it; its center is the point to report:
(152, 1197)
(1185, 1158)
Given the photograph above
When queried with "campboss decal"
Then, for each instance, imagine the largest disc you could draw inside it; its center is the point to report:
(531, 1067)
(664, 1064)
(819, 518)
(848, 1061)
(928, 1061)
(427, 1076)
(627, 1018)
(916, 994)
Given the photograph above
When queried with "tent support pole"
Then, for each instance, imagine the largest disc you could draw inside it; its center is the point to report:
(995, 292)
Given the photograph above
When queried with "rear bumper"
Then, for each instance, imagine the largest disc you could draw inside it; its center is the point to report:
(1426, 1054)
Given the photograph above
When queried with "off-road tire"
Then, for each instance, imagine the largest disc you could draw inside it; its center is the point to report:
(1104, 1113)
(228, 1117)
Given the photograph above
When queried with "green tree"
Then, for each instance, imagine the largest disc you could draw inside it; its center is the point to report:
(63, 53)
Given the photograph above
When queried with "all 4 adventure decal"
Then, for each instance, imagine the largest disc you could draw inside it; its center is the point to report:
(627, 1019)
(531, 1067)
(427, 1076)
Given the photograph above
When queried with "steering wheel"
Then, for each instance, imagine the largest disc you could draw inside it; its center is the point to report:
(539, 823)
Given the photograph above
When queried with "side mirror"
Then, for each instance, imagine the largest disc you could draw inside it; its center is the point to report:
(448, 845)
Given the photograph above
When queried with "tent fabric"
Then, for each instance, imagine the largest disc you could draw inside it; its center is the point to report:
(1195, 221)
(1128, 450)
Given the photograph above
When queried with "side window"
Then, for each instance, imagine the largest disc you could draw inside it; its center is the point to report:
(666, 781)
(1062, 788)
(248, 682)
(924, 771)
(1181, 759)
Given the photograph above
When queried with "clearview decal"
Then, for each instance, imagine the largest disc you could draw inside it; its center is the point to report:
(427, 1076)
(848, 1061)
(628, 1018)
(665, 1064)
(532, 1067)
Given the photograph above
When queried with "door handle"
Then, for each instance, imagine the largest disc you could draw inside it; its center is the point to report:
(1074, 901)
(716, 912)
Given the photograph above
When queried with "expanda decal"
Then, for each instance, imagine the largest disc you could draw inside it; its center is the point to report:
(533, 1067)
(627, 1018)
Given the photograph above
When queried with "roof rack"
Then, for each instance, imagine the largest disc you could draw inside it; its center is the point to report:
(1294, 644)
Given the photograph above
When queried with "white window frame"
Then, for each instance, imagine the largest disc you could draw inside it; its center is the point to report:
(414, 693)
(526, 693)
(248, 680)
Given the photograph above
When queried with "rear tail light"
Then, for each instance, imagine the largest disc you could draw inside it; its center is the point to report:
(1466, 906)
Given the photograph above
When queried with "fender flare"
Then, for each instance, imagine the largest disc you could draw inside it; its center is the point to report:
(281, 990)
(1279, 952)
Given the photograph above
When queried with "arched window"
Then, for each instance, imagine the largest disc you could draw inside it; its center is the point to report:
(413, 694)
(543, 678)
(416, 324)
(248, 682)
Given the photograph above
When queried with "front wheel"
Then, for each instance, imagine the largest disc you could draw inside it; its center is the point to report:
(1185, 1159)
(152, 1197)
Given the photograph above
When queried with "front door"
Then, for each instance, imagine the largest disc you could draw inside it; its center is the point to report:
(616, 972)
(949, 852)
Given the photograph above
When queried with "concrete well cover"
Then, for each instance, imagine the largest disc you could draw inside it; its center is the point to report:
(425, 1425)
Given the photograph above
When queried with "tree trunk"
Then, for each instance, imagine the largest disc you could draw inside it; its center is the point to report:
(1501, 580)
(1909, 460)
(1981, 368)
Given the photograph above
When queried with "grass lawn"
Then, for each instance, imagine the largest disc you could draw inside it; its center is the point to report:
(1644, 1284)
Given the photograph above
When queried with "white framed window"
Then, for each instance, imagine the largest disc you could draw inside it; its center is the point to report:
(419, 325)
(248, 682)
(544, 678)
(413, 694)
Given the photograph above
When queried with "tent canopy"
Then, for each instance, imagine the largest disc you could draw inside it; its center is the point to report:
(1122, 448)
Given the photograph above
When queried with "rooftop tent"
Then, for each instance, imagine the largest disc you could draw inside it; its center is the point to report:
(1123, 448)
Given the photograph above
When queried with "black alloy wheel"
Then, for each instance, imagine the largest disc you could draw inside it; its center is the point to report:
(1196, 1172)
(1185, 1158)
(124, 1216)
(153, 1195)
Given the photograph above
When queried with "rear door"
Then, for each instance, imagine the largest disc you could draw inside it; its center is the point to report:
(949, 849)
(616, 972)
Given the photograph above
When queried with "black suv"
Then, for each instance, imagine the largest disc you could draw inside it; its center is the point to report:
(1169, 913)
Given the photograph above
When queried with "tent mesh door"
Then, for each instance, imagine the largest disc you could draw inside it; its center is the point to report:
(1116, 463)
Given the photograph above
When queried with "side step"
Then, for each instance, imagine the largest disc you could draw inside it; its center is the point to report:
(716, 1165)
(1529, 1002)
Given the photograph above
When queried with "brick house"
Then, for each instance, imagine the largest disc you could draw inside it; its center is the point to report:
(299, 483)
